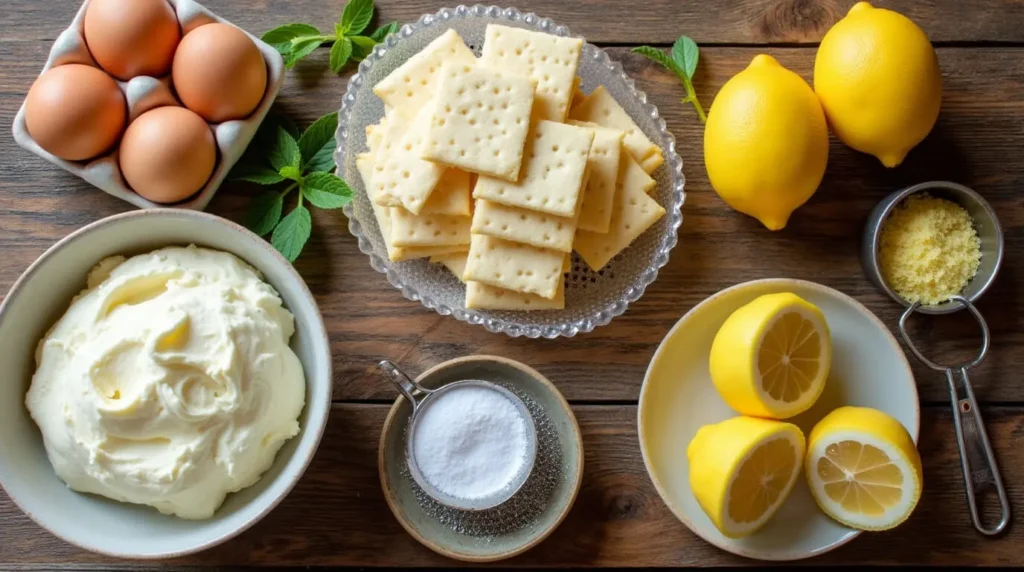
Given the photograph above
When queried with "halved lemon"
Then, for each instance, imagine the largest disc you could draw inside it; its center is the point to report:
(742, 470)
(863, 468)
(771, 357)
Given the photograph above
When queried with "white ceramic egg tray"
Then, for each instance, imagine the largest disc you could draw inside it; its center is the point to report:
(144, 93)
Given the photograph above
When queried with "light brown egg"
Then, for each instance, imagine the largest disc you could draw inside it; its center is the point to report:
(129, 38)
(219, 72)
(167, 154)
(75, 112)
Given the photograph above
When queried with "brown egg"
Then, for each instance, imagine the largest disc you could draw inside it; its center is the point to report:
(219, 73)
(167, 154)
(129, 38)
(75, 112)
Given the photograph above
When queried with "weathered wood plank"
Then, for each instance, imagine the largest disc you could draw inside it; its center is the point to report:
(976, 142)
(337, 515)
(610, 21)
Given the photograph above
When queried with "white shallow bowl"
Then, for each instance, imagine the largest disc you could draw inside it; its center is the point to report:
(43, 294)
(678, 397)
(592, 299)
(144, 93)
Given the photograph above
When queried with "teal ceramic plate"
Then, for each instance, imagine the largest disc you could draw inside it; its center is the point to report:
(532, 513)
(868, 369)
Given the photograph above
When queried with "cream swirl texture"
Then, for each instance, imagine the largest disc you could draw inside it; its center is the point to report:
(169, 381)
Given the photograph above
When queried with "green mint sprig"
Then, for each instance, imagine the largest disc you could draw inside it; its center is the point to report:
(683, 63)
(279, 154)
(296, 41)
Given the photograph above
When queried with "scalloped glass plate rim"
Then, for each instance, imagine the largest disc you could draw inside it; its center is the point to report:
(601, 316)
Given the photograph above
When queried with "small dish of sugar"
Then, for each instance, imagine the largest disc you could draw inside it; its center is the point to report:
(471, 444)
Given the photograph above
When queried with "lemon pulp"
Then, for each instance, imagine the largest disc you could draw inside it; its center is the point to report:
(761, 481)
(789, 358)
(861, 478)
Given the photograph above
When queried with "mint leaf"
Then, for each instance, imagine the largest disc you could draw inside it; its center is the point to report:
(254, 173)
(264, 212)
(685, 54)
(361, 47)
(340, 52)
(301, 47)
(285, 152)
(267, 132)
(317, 143)
(356, 16)
(289, 32)
(291, 173)
(683, 63)
(326, 191)
(384, 31)
(292, 233)
(658, 56)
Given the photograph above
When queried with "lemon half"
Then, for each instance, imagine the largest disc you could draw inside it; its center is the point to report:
(863, 468)
(771, 357)
(742, 470)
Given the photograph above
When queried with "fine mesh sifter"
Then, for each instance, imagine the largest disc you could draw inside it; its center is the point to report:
(981, 473)
(421, 398)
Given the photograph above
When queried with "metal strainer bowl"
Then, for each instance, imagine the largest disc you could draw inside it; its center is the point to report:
(592, 299)
(422, 398)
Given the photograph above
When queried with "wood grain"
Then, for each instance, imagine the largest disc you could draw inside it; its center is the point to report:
(976, 142)
(609, 21)
(337, 516)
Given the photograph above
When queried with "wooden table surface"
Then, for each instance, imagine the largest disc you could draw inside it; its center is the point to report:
(337, 516)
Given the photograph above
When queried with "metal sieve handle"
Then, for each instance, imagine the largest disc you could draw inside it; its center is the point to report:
(978, 461)
(412, 391)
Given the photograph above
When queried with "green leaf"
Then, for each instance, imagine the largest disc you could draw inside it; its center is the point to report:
(289, 32)
(264, 212)
(301, 47)
(326, 191)
(291, 173)
(361, 47)
(292, 233)
(356, 16)
(317, 144)
(658, 56)
(255, 173)
(268, 129)
(285, 152)
(384, 31)
(340, 52)
(685, 54)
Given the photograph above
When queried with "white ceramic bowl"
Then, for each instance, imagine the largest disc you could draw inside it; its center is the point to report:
(41, 296)
(868, 369)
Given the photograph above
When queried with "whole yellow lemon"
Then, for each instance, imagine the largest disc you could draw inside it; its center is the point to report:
(766, 142)
(878, 79)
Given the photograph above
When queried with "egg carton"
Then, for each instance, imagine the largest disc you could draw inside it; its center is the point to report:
(144, 93)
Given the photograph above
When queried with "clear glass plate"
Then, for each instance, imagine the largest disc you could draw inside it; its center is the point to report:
(592, 299)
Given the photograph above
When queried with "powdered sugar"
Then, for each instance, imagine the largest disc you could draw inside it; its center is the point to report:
(471, 442)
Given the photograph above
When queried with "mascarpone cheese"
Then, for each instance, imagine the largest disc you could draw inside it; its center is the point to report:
(169, 381)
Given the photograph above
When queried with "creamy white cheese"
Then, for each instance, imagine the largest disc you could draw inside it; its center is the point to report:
(169, 381)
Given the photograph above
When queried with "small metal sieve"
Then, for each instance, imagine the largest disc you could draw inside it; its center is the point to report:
(421, 398)
(977, 459)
